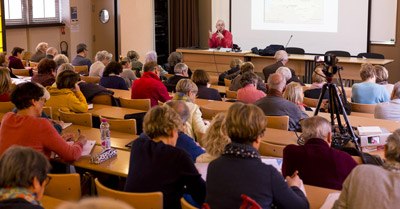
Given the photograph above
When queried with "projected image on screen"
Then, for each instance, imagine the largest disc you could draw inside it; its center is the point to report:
(295, 15)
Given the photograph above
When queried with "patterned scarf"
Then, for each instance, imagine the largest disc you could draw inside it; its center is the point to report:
(179, 96)
(241, 150)
(392, 165)
(19, 192)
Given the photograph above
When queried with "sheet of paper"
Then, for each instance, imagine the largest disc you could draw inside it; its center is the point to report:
(87, 148)
(90, 106)
(66, 125)
(330, 200)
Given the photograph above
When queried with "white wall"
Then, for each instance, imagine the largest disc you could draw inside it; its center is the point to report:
(220, 11)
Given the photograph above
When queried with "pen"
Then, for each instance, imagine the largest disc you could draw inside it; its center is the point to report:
(294, 174)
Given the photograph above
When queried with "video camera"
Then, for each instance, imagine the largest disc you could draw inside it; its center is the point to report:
(330, 62)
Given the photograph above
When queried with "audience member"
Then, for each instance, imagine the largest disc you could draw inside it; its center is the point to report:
(273, 104)
(60, 59)
(127, 73)
(46, 72)
(51, 52)
(80, 59)
(281, 59)
(368, 92)
(382, 76)
(4, 62)
(201, 79)
(23, 178)
(15, 59)
(40, 52)
(181, 72)
(249, 93)
(26, 128)
(390, 110)
(101, 60)
(215, 139)
(173, 59)
(240, 170)
(111, 78)
(95, 203)
(149, 86)
(314, 91)
(157, 165)
(246, 67)
(294, 93)
(67, 95)
(317, 163)
(186, 91)
(371, 186)
(136, 64)
(232, 73)
(151, 56)
(5, 85)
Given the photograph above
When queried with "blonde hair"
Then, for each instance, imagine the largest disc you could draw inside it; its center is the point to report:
(216, 137)
(381, 73)
(41, 46)
(367, 71)
(95, 203)
(316, 76)
(185, 86)
(235, 62)
(160, 121)
(246, 67)
(293, 93)
(5, 80)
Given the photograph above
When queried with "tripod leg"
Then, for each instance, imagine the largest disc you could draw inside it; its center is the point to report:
(324, 88)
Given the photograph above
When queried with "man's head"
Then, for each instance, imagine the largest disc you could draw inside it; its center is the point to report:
(181, 108)
(281, 56)
(367, 72)
(81, 49)
(285, 72)
(316, 127)
(276, 81)
(51, 51)
(396, 91)
(247, 67)
(220, 26)
(181, 69)
(151, 67)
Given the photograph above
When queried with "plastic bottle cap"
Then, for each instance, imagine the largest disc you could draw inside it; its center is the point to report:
(104, 120)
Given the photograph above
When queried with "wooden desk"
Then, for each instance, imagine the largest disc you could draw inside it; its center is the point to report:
(112, 111)
(211, 104)
(317, 195)
(221, 89)
(118, 139)
(279, 137)
(50, 202)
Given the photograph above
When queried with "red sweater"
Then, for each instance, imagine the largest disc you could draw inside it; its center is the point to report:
(36, 133)
(226, 42)
(149, 86)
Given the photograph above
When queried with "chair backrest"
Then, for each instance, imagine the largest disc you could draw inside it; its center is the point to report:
(6, 107)
(64, 186)
(249, 203)
(357, 159)
(160, 103)
(295, 50)
(83, 69)
(186, 205)
(278, 122)
(23, 62)
(103, 99)
(339, 53)
(169, 75)
(82, 119)
(125, 126)
(231, 94)
(48, 111)
(21, 72)
(33, 64)
(208, 113)
(371, 55)
(365, 108)
(268, 149)
(313, 102)
(89, 79)
(227, 82)
(150, 200)
(139, 104)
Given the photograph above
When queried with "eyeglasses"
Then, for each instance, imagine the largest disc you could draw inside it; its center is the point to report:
(47, 180)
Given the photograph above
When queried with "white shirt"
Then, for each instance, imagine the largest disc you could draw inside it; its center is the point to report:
(388, 110)
(96, 69)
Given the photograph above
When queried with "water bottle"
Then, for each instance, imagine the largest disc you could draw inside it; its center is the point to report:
(105, 134)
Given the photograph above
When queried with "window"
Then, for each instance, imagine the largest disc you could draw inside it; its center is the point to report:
(29, 12)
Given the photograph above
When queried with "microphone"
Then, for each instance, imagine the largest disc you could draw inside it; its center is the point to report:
(288, 41)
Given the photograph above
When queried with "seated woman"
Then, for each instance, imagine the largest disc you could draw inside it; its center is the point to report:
(23, 178)
(201, 79)
(294, 93)
(215, 139)
(4, 61)
(314, 91)
(371, 186)
(5, 85)
(26, 128)
(111, 78)
(17, 55)
(232, 73)
(186, 91)
(249, 93)
(67, 95)
(240, 170)
(46, 72)
(40, 53)
(382, 76)
(127, 73)
(173, 59)
(157, 165)
(102, 59)
(60, 59)
(136, 64)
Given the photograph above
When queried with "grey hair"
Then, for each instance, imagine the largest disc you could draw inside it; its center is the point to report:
(285, 72)
(20, 165)
(65, 67)
(281, 55)
(276, 84)
(393, 146)
(41, 46)
(61, 59)
(180, 68)
(51, 50)
(315, 127)
(220, 21)
(396, 89)
(181, 108)
(185, 86)
(102, 55)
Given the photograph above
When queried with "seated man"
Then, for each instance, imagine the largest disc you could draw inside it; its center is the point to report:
(390, 110)
(281, 58)
(149, 86)
(318, 164)
(368, 92)
(157, 165)
(80, 59)
(181, 72)
(221, 38)
(273, 104)
(246, 67)
(51, 52)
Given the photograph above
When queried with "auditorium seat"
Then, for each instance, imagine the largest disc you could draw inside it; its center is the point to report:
(371, 55)
(338, 53)
(295, 50)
